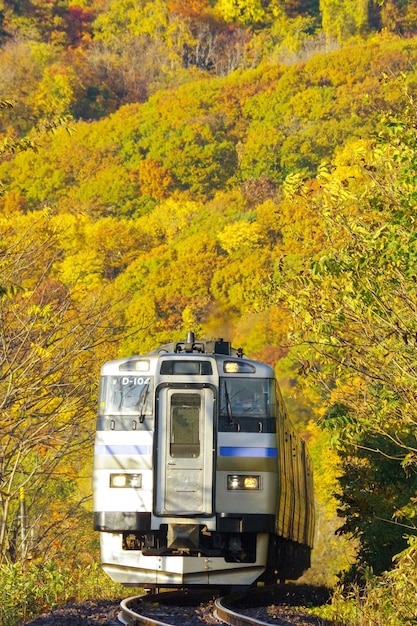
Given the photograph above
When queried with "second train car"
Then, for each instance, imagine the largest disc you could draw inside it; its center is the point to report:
(200, 478)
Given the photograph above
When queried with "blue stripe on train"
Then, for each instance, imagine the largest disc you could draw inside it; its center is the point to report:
(113, 449)
(245, 451)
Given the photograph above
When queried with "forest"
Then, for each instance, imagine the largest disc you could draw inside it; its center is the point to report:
(243, 169)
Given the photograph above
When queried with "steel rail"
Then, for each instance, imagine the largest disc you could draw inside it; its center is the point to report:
(132, 618)
(233, 618)
(225, 614)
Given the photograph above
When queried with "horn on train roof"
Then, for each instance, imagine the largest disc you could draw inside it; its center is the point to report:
(206, 346)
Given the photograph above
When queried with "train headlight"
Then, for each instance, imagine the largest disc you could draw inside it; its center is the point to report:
(238, 367)
(239, 482)
(134, 481)
(251, 482)
(142, 366)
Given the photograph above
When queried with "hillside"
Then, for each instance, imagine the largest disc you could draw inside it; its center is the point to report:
(178, 202)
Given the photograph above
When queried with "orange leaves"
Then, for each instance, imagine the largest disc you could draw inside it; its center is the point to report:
(189, 8)
(154, 180)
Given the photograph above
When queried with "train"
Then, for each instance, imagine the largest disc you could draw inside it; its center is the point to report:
(200, 478)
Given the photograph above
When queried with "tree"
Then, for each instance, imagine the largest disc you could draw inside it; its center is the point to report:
(341, 20)
(55, 92)
(48, 376)
(244, 11)
(354, 306)
(184, 134)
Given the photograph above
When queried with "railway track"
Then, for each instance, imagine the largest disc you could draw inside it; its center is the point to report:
(254, 607)
(169, 608)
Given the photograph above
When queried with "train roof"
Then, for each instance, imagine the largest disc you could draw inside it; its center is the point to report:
(205, 346)
(217, 348)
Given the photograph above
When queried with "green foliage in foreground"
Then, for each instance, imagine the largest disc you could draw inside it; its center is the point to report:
(26, 592)
(387, 600)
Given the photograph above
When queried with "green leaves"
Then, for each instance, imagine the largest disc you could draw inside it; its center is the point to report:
(355, 317)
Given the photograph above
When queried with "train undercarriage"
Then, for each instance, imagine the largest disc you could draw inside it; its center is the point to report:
(189, 555)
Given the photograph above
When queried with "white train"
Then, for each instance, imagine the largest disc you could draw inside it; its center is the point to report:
(199, 476)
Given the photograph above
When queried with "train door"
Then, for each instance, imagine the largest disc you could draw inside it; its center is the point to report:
(184, 456)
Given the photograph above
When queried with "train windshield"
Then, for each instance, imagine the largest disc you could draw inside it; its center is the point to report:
(126, 395)
(247, 404)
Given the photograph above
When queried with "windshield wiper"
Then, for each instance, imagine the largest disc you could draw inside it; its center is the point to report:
(229, 407)
(143, 405)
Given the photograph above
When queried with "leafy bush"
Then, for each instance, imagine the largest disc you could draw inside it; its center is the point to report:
(387, 600)
(25, 592)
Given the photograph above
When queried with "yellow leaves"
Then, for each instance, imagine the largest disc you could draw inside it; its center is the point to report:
(170, 218)
(239, 283)
(245, 11)
(240, 235)
(39, 311)
(351, 387)
(40, 351)
(342, 19)
(55, 92)
(95, 250)
(82, 270)
(190, 318)
(294, 184)
(116, 242)
(267, 220)
(70, 230)
(336, 191)
(133, 18)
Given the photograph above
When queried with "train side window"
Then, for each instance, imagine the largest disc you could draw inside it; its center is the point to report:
(185, 425)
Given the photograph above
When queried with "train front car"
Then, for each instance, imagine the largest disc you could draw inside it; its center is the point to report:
(195, 478)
